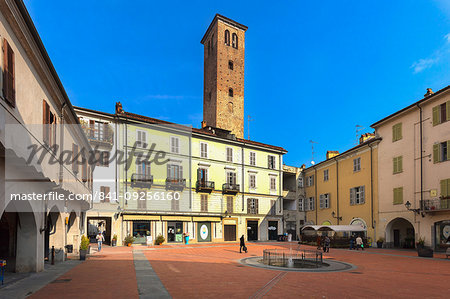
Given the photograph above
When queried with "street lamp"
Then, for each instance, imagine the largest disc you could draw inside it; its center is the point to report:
(333, 214)
(408, 207)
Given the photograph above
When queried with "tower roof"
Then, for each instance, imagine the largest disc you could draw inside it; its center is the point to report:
(225, 20)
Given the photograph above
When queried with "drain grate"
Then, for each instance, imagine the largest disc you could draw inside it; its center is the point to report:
(61, 280)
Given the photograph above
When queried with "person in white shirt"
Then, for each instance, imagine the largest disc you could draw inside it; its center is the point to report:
(100, 240)
(359, 243)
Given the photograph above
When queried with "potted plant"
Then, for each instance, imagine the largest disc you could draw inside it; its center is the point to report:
(128, 240)
(84, 247)
(423, 251)
(380, 242)
(114, 240)
(159, 240)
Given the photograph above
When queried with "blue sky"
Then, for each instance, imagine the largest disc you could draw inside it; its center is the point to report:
(313, 71)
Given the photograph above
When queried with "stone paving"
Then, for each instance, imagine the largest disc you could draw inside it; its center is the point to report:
(214, 270)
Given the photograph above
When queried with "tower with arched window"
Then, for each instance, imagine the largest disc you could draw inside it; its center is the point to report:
(224, 49)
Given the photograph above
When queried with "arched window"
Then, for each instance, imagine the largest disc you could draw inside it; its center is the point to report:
(230, 92)
(227, 37)
(235, 41)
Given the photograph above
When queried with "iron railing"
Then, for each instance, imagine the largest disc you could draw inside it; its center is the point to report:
(230, 188)
(436, 204)
(175, 183)
(205, 185)
(141, 180)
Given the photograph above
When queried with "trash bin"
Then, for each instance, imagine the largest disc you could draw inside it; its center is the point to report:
(69, 248)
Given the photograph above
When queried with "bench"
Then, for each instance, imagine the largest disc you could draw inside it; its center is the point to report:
(447, 252)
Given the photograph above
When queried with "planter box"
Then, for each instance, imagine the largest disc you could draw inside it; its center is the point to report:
(113, 243)
(425, 252)
(83, 254)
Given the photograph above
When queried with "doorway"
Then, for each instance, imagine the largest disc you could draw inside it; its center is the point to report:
(273, 230)
(252, 230)
(175, 231)
(396, 238)
(229, 232)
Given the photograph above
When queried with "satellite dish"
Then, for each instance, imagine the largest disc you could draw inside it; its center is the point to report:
(312, 162)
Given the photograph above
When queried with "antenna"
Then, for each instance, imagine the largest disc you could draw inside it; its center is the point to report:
(249, 119)
(312, 152)
(357, 129)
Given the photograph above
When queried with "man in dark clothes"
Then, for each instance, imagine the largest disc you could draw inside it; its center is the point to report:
(242, 245)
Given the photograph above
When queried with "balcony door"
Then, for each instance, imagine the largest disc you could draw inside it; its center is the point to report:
(202, 175)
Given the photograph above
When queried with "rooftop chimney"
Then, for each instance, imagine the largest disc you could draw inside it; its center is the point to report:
(429, 92)
(203, 123)
(331, 154)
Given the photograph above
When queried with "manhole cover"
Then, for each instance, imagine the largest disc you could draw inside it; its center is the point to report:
(61, 280)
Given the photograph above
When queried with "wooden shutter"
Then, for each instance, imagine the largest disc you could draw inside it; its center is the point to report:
(352, 196)
(436, 115)
(249, 204)
(400, 164)
(321, 201)
(362, 194)
(256, 206)
(436, 153)
(445, 187)
(448, 149)
(398, 196)
(447, 108)
(9, 89)
(147, 170)
(395, 165)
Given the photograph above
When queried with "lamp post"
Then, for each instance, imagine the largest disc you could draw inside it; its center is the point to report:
(333, 214)
(408, 207)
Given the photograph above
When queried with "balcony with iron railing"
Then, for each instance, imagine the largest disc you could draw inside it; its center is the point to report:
(141, 180)
(230, 188)
(204, 186)
(436, 204)
(175, 183)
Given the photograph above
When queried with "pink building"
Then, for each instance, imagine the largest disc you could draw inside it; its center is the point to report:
(414, 173)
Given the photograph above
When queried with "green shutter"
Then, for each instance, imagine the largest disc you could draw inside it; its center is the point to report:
(436, 115)
(448, 149)
(398, 196)
(400, 164)
(394, 133)
(399, 133)
(448, 110)
(436, 153)
(395, 165)
(444, 188)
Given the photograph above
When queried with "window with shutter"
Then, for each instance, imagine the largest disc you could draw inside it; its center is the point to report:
(273, 183)
(203, 150)
(397, 164)
(252, 181)
(321, 199)
(230, 204)
(396, 132)
(445, 188)
(447, 108)
(352, 196)
(229, 154)
(175, 145)
(301, 206)
(271, 162)
(436, 118)
(204, 203)
(9, 89)
(398, 196)
(252, 158)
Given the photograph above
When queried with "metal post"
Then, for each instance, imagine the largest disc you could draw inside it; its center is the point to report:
(53, 255)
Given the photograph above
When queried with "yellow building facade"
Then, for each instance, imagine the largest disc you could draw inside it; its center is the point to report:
(342, 190)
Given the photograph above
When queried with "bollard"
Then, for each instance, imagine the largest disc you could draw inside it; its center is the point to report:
(53, 255)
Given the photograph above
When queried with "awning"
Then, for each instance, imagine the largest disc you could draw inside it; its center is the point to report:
(176, 218)
(207, 219)
(140, 217)
(336, 228)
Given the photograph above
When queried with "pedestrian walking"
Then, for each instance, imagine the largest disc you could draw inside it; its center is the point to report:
(327, 243)
(359, 243)
(100, 240)
(319, 242)
(352, 242)
(242, 246)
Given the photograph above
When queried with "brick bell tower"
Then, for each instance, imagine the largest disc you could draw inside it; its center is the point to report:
(223, 86)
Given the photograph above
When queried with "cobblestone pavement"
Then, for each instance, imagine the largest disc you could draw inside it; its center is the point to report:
(214, 270)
